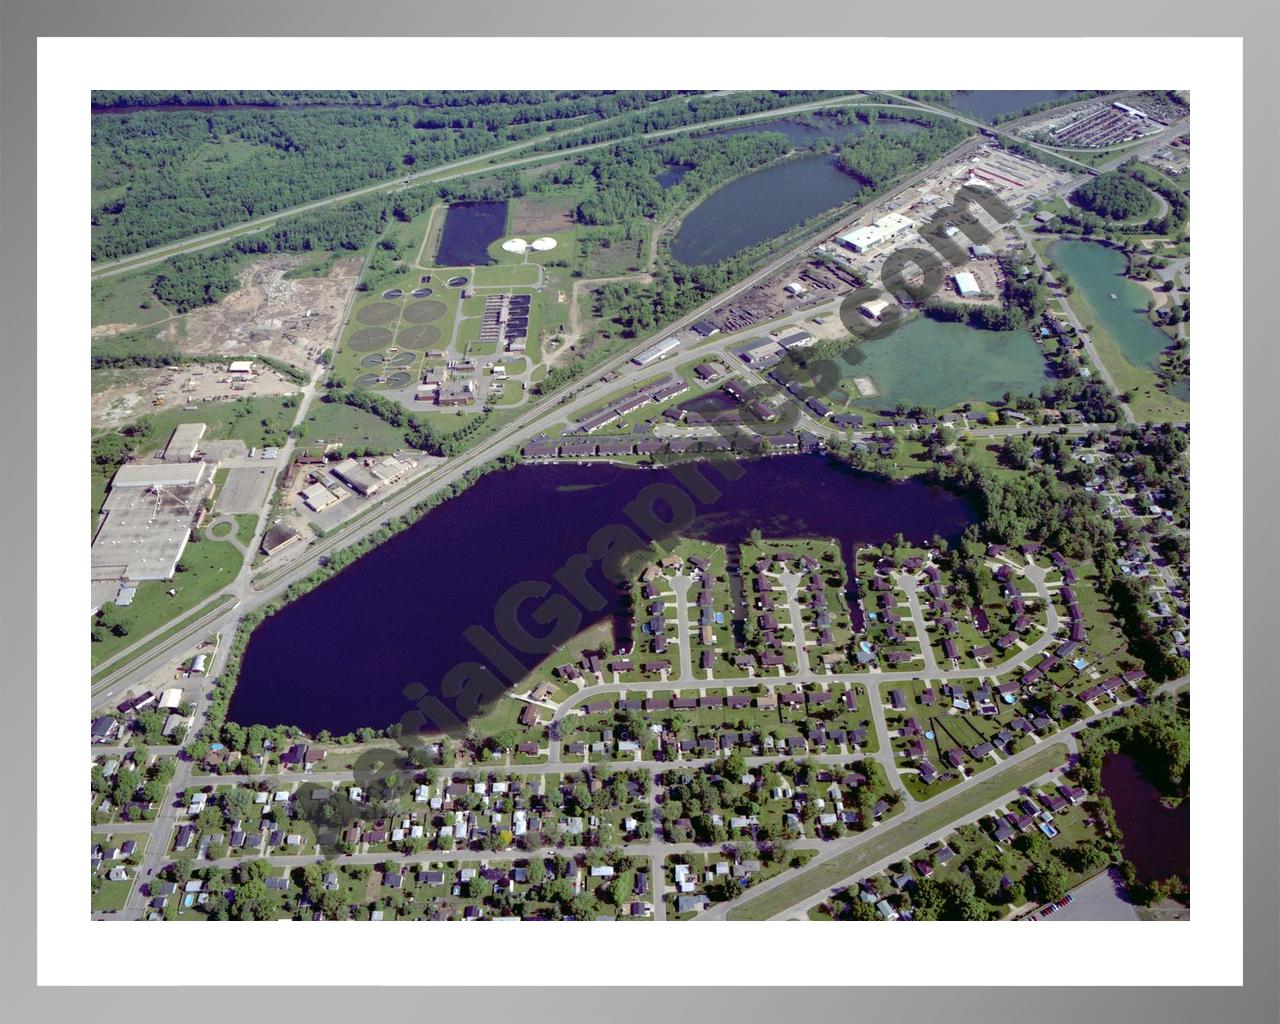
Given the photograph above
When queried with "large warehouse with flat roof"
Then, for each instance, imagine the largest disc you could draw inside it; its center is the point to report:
(369, 479)
(146, 522)
(879, 231)
(653, 353)
(183, 442)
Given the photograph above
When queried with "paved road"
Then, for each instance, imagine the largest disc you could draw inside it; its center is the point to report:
(576, 399)
(1098, 365)
(838, 846)
(481, 163)
(800, 911)
(217, 618)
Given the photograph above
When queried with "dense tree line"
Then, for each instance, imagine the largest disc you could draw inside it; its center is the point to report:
(1146, 636)
(1174, 221)
(189, 280)
(1034, 505)
(1157, 734)
(624, 178)
(881, 157)
(526, 104)
(982, 316)
(159, 176)
(1113, 195)
(682, 112)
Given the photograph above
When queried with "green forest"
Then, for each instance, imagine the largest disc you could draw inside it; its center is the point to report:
(224, 158)
(881, 156)
(1113, 195)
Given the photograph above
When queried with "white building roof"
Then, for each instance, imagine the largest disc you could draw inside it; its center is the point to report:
(183, 441)
(894, 223)
(662, 348)
(137, 474)
(966, 284)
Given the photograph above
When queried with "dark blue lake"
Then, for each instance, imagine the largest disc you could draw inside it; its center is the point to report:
(988, 104)
(341, 657)
(673, 174)
(761, 205)
(1157, 839)
(469, 230)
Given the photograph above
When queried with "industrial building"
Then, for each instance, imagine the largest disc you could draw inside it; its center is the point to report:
(874, 309)
(800, 339)
(318, 497)
(369, 479)
(966, 285)
(653, 353)
(241, 368)
(146, 522)
(183, 442)
(879, 231)
(279, 536)
(456, 393)
(761, 350)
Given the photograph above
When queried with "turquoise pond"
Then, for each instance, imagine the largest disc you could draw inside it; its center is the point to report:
(1097, 271)
(942, 365)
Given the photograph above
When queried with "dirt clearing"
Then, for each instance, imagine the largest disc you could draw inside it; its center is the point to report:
(289, 319)
(541, 215)
(123, 394)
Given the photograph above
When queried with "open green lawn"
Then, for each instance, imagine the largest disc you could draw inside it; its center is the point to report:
(255, 421)
(354, 428)
(564, 250)
(211, 565)
(885, 841)
(506, 274)
(126, 299)
(111, 895)
(245, 525)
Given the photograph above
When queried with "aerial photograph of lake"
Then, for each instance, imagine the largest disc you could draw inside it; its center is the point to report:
(406, 605)
(760, 206)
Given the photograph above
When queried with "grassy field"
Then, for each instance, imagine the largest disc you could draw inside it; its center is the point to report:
(506, 274)
(1145, 398)
(317, 264)
(112, 895)
(255, 421)
(354, 428)
(245, 525)
(211, 565)
(126, 299)
(884, 842)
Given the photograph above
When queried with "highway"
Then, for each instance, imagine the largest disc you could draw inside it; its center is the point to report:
(612, 376)
(540, 416)
(481, 163)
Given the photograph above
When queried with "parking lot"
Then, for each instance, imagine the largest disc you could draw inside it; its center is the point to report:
(1099, 899)
(245, 488)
